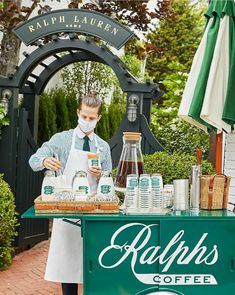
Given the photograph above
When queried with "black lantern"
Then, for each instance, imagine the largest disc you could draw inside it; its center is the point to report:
(6, 95)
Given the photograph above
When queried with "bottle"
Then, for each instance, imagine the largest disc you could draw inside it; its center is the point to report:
(131, 160)
(105, 190)
(48, 185)
(81, 186)
(145, 190)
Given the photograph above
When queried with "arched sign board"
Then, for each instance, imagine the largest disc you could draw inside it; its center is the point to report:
(74, 20)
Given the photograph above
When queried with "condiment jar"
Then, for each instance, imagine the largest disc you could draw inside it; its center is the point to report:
(105, 188)
(80, 184)
(48, 184)
(93, 160)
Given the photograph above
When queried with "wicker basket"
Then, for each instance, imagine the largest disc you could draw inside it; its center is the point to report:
(214, 191)
(96, 207)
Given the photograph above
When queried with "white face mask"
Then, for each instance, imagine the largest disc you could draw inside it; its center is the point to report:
(86, 126)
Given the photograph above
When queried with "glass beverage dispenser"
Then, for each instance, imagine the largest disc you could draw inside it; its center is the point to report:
(131, 160)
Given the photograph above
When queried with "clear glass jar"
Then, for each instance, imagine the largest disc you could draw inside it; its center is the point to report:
(105, 190)
(48, 184)
(131, 160)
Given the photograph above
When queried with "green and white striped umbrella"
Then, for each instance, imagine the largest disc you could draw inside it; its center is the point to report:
(208, 100)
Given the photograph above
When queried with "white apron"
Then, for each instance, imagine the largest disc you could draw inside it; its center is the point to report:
(65, 259)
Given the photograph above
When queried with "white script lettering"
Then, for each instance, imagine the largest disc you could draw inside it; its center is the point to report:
(139, 250)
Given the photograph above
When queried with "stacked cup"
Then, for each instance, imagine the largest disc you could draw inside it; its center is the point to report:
(157, 192)
(168, 195)
(181, 191)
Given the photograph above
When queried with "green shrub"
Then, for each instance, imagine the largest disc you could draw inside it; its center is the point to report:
(176, 135)
(62, 114)
(173, 166)
(8, 222)
(43, 124)
(72, 105)
(102, 128)
(116, 112)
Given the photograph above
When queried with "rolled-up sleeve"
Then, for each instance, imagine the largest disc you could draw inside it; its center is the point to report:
(48, 149)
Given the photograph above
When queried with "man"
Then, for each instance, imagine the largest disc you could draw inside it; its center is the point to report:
(67, 151)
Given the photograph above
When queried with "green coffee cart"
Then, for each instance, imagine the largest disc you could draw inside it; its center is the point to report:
(156, 254)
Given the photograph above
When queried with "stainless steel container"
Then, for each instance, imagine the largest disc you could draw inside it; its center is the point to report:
(195, 189)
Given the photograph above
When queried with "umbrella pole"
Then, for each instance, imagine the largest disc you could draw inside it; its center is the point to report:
(218, 153)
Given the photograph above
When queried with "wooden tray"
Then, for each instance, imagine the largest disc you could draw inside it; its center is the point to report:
(96, 207)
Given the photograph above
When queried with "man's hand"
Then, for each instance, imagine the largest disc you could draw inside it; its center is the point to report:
(52, 164)
(95, 171)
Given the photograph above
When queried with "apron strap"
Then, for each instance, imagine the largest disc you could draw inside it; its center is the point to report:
(73, 139)
(98, 148)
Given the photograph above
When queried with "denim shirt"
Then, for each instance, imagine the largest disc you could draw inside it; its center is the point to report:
(60, 144)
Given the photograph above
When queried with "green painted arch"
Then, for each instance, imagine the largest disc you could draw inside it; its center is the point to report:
(56, 66)
(128, 83)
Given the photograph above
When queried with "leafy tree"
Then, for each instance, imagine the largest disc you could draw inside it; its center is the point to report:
(131, 12)
(116, 111)
(102, 128)
(52, 115)
(135, 13)
(176, 38)
(47, 117)
(43, 123)
(11, 14)
(133, 63)
(83, 77)
(174, 44)
(72, 105)
(173, 133)
(177, 135)
(62, 114)
(174, 83)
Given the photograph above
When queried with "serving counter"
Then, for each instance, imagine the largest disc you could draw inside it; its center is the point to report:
(146, 254)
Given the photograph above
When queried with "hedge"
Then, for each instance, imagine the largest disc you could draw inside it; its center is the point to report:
(8, 223)
(173, 166)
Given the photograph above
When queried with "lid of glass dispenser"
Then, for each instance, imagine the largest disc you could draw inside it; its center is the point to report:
(132, 135)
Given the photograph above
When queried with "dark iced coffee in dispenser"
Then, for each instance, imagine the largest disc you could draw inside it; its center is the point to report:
(131, 160)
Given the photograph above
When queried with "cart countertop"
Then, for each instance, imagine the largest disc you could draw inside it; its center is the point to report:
(203, 215)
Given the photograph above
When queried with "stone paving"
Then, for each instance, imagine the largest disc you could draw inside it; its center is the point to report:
(25, 275)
